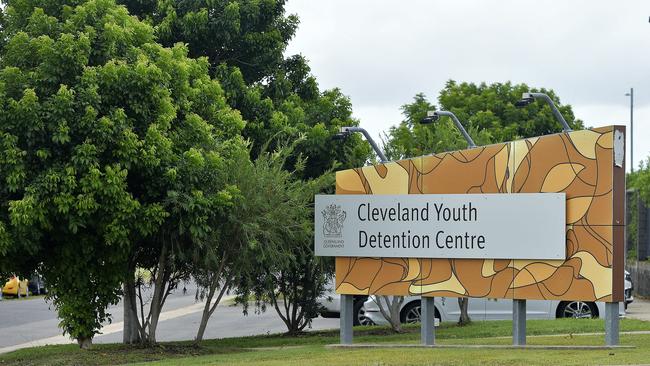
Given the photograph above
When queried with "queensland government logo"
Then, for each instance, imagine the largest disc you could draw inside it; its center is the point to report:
(334, 217)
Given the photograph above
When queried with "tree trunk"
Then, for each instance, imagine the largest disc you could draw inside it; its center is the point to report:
(208, 309)
(293, 330)
(464, 318)
(155, 314)
(202, 326)
(392, 310)
(158, 294)
(130, 330)
(85, 343)
(206, 314)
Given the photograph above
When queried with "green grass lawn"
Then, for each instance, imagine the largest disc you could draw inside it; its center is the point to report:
(308, 349)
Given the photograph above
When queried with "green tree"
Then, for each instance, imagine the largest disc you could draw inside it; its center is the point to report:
(262, 243)
(491, 107)
(277, 96)
(411, 138)
(640, 180)
(290, 277)
(111, 143)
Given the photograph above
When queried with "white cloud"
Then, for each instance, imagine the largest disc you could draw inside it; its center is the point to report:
(381, 53)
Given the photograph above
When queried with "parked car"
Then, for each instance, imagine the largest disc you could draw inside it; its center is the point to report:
(629, 288)
(447, 309)
(37, 285)
(15, 287)
(367, 313)
(330, 304)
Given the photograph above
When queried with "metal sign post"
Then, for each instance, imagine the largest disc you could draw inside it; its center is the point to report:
(518, 322)
(611, 323)
(428, 321)
(346, 320)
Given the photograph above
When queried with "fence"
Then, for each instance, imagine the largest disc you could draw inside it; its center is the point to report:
(638, 242)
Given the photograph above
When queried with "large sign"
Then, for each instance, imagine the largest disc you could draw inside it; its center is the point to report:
(587, 166)
(497, 226)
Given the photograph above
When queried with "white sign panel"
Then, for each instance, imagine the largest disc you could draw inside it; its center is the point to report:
(481, 226)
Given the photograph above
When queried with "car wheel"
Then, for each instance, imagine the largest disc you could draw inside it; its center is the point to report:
(577, 309)
(411, 313)
(360, 317)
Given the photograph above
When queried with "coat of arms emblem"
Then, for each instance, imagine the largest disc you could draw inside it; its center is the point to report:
(334, 217)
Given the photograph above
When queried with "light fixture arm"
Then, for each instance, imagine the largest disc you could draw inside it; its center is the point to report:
(365, 133)
(460, 127)
(556, 112)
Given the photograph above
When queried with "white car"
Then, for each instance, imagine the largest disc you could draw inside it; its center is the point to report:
(330, 304)
(629, 287)
(479, 308)
(447, 309)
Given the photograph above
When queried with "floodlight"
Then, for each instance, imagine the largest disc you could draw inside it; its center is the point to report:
(433, 116)
(523, 102)
(347, 131)
(341, 136)
(527, 98)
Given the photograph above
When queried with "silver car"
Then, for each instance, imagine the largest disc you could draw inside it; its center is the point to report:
(330, 304)
(447, 309)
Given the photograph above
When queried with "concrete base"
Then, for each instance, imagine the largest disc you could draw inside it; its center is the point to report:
(476, 346)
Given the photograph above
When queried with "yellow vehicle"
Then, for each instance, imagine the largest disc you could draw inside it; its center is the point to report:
(16, 287)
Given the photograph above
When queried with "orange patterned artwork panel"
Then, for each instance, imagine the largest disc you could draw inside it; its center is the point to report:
(580, 163)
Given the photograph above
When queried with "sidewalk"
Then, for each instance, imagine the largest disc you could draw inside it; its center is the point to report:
(639, 309)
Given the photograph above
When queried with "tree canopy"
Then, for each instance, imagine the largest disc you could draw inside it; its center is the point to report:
(245, 41)
(487, 112)
(640, 180)
(248, 34)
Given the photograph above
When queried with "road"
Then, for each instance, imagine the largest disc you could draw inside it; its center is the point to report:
(31, 322)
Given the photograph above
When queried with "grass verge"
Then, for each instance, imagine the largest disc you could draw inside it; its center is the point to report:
(308, 348)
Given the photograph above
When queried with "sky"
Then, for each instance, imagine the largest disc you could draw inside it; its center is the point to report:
(382, 53)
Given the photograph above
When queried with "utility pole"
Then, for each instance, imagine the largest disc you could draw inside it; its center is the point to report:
(631, 95)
